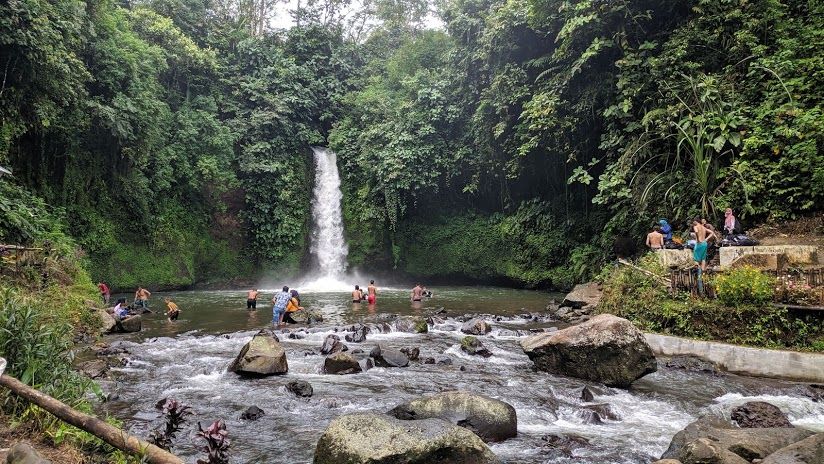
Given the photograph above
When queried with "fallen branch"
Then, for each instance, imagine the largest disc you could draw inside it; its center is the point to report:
(662, 280)
(106, 432)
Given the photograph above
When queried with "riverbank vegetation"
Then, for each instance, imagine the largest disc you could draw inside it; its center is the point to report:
(742, 314)
(173, 136)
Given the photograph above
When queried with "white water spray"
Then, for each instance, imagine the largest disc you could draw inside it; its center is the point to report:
(328, 245)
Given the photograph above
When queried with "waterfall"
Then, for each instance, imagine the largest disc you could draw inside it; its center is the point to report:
(328, 245)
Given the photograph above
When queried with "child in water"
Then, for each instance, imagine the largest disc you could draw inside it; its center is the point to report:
(172, 311)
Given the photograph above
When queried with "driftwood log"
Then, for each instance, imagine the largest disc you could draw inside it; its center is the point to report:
(106, 432)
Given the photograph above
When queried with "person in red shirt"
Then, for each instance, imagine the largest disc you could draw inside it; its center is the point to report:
(104, 292)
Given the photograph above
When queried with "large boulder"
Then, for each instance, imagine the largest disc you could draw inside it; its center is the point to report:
(305, 316)
(381, 439)
(807, 451)
(107, 322)
(130, 324)
(583, 296)
(341, 363)
(758, 414)
(476, 326)
(606, 349)
(491, 419)
(749, 444)
(23, 453)
(707, 451)
(388, 357)
(262, 356)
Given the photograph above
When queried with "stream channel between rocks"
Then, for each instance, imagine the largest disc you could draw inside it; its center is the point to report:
(187, 360)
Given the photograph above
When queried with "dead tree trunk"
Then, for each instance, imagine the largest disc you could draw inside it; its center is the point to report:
(106, 432)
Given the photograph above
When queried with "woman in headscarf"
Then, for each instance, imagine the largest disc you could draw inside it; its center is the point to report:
(731, 224)
(666, 230)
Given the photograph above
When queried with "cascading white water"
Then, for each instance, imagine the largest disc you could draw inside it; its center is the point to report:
(328, 245)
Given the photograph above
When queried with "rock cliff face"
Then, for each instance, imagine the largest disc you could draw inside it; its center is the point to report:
(606, 349)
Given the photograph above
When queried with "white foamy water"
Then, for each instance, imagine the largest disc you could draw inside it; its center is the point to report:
(328, 245)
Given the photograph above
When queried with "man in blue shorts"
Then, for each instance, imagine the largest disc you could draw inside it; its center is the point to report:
(280, 300)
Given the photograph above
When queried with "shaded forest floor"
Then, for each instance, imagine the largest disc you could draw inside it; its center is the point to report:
(804, 231)
(62, 454)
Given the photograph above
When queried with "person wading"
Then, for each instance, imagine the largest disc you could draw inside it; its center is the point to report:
(372, 292)
(417, 293)
(279, 306)
(251, 299)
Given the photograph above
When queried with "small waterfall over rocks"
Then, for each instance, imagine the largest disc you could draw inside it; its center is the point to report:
(328, 246)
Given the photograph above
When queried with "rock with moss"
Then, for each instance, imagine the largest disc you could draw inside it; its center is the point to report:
(420, 326)
(382, 439)
(492, 420)
(473, 346)
(262, 356)
(606, 349)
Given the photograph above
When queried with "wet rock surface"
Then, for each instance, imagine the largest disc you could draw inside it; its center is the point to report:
(476, 326)
(332, 344)
(388, 357)
(382, 439)
(341, 363)
(492, 420)
(252, 413)
(473, 346)
(606, 349)
(758, 414)
(300, 388)
(262, 356)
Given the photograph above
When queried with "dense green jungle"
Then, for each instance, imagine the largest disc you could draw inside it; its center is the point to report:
(505, 141)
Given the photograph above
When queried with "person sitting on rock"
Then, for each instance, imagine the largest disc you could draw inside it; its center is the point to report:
(732, 226)
(655, 240)
(172, 311)
(292, 306)
(121, 311)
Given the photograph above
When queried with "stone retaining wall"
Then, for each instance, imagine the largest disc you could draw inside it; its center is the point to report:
(758, 362)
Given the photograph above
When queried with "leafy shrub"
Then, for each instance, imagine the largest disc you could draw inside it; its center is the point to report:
(744, 285)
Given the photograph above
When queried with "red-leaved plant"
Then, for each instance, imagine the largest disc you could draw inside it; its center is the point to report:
(217, 445)
(175, 413)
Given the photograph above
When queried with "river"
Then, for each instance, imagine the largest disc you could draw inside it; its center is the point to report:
(187, 360)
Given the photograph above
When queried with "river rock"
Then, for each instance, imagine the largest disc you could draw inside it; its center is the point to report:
(23, 453)
(107, 322)
(306, 316)
(476, 326)
(94, 369)
(667, 461)
(341, 363)
(706, 451)
(491, 419)
(747, 443)
(381, 439)
(262, 356)
(758, 414)
(388, 357)
(606, 349)
(300, 388)
(597, 413)
(252, 413)
(583, 296)
(473, 346)
(412, 325)
(589, 392)
(565, 444)
(413, 353)
(358, 335)
(130, 324)
(366, 364)
(807, 451)
(332, 344)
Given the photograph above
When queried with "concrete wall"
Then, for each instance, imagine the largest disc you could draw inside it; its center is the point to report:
(788, 365)
(796, 254)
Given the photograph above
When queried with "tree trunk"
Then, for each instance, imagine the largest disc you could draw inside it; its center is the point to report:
(106, 432)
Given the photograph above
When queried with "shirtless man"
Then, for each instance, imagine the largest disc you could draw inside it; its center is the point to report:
(357, 294)
(699, 253)
(141, 298)
(372, 292)
(417, 293)
(655, 240)
(251, 299)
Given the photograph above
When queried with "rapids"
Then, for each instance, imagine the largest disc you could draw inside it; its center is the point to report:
(187, 360)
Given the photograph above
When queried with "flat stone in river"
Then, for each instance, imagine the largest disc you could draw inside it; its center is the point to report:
(382, 439)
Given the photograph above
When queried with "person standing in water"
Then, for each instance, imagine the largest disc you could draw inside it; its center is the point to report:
(372, 292)
(251, 299)
(357, 294)
(417, 293)
(172, 311)
(141, 298)
(279, 306)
